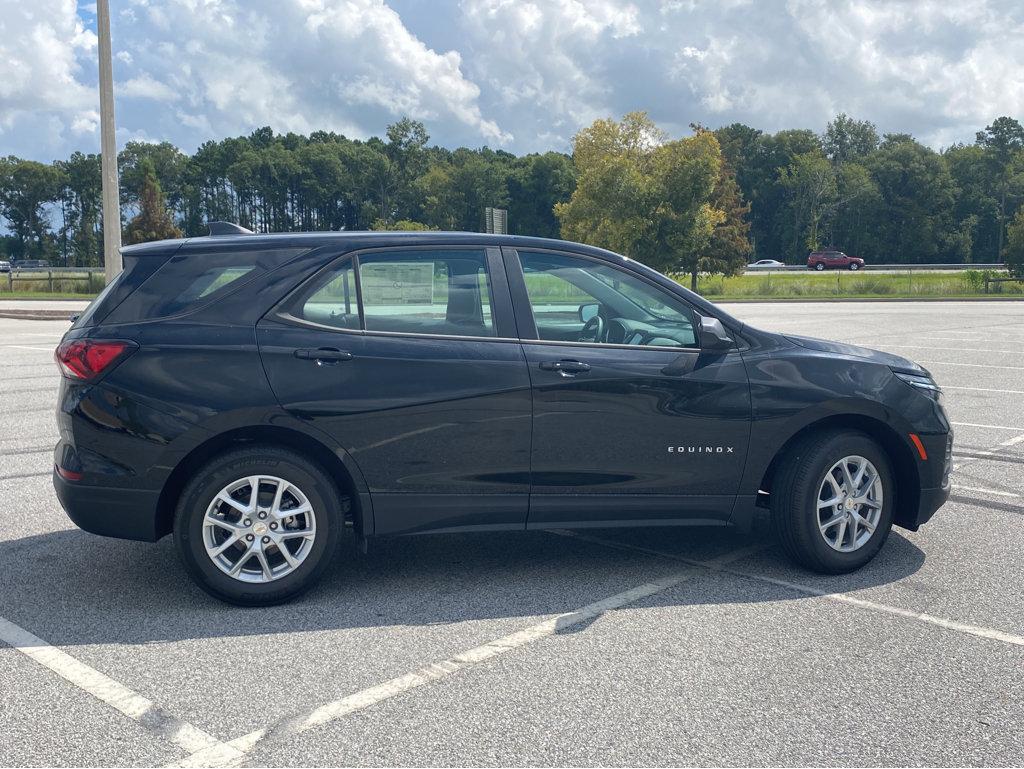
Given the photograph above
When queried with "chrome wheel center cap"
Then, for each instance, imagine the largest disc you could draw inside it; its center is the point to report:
(848, 504)
(260, 529)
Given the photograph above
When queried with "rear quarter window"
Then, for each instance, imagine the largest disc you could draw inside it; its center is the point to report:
(188, 282)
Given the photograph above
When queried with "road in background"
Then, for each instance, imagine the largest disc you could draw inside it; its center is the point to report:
(677, 646)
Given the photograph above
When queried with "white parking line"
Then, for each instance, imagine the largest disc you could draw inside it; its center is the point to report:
(24, 347)
(985, 491)
(106, 689)
(226, 753)
(954, 349)
(946, 624)
(971, 365)
(987, 427)
(982, 389)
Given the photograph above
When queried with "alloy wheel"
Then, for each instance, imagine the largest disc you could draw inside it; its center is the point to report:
(849, 502)
(259, 528)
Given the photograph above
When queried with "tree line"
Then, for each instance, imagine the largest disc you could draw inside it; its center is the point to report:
(706, 202)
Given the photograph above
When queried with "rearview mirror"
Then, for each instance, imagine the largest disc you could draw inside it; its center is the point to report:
(588, 311)
(713, 335)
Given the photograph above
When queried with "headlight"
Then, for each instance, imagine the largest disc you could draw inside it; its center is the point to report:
(923, 383)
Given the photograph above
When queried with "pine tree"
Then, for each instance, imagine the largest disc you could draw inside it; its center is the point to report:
(153, 221)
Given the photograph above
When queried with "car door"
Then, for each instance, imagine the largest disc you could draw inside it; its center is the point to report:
(632, 422)
(407, 357)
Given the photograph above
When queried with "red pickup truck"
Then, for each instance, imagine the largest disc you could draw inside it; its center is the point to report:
(833, 260)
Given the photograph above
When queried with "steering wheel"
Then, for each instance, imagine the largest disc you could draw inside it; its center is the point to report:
(593, 330)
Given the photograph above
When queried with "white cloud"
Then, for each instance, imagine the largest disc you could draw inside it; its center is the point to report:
(523, 74)
(43, 45)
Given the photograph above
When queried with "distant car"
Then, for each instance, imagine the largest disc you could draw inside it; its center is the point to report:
(5, 266)
(766, 264)
(833, 260)
(25, 264)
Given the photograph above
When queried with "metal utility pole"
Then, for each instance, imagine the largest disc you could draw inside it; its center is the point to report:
(108, 149)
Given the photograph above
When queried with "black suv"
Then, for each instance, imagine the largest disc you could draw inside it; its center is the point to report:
(255, 394)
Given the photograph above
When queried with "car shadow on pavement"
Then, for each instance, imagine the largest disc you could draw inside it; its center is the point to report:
(73, 588)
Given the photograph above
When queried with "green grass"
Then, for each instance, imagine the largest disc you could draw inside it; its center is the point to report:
(842, 284)
(765, 286)
(43, 295)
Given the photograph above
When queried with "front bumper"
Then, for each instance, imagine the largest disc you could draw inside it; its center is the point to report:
(111, 512)
(931, 500)
(935, 480)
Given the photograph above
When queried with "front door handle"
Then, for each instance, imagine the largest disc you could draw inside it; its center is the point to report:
(565, 367)
(323, 355)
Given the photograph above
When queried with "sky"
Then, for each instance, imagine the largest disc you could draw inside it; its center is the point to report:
(521, 75)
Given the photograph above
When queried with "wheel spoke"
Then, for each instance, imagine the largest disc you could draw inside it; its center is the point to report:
(829, 502)
(852, 527)
(867, 501)
(862, 468)
(847, 479)
(841, 534)
(296, 533)
(825, 526)
(223, 523)
(254, 491)
(225, 545)
(275, 506)
(287, 555)
(300, 510)
(236, 569)
(228, 500)
(865, 486)
(264, 564)
(865, 522)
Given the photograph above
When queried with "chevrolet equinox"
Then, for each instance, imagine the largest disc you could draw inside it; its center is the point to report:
(253, 395)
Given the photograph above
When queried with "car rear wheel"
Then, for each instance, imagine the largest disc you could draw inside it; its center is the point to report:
(819, 266)
(258, 526)
(832, 501)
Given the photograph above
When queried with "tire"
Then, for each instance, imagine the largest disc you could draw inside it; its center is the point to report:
(854, 267)
(795, 496)
(311, 538)
(819, 266)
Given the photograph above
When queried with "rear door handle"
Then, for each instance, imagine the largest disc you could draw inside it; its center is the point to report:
(565, 367)
(323, 355)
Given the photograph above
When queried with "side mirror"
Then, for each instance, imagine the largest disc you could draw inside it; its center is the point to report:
(713, 336)
(588, 311)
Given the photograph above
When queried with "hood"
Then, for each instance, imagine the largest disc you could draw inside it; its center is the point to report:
(875, 356)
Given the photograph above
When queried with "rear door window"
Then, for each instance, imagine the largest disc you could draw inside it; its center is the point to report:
(405, 291)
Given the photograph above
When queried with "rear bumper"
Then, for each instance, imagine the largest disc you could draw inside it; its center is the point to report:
(111, 512)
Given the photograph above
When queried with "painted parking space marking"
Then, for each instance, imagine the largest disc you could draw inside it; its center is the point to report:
(982, 389)
(971, 365)
(844, 598)
(224, 754)
(977, 490)
(987, 427)
(953, 349)
(118, 696)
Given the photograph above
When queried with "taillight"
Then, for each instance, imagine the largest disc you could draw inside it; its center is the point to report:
(85, 359)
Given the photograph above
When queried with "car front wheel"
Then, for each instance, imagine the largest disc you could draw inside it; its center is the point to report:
(832, 501)
(258, 526)
(854, 266)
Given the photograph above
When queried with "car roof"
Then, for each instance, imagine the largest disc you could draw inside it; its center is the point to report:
(358, 239)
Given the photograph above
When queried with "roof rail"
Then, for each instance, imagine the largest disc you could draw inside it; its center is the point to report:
(228, 228)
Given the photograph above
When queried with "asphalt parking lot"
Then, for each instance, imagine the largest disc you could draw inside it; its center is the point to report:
(650, 647)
